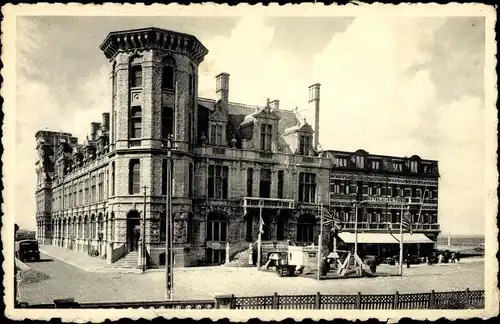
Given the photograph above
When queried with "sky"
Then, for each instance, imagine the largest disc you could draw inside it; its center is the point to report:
(395, 86)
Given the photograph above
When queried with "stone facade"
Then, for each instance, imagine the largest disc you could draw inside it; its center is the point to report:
(92, 197)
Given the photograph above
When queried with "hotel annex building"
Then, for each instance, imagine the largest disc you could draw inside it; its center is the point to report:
(231, 161)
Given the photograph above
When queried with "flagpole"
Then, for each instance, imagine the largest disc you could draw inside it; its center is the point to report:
(259, 239)
(356, 228)
(320, 239)
(401, 242)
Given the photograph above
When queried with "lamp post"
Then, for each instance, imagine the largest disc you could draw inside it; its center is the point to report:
(169, 284)
(143, 245)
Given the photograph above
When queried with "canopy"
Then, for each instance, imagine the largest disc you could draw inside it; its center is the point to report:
(384, 238)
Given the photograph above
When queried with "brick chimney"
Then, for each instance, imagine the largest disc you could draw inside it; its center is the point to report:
(222, 89)
(275, 104)
(105, 122)
(314, 96)
(94, 127)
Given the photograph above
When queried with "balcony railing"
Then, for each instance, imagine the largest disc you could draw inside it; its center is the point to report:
(271, 203)
(268, 157)
(386, 226)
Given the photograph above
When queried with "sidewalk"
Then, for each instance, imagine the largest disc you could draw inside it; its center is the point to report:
(81, 260)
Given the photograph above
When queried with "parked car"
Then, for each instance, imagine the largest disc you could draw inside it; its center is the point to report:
(27, 249)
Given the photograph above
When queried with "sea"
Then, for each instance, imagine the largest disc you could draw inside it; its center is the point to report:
(467, 240)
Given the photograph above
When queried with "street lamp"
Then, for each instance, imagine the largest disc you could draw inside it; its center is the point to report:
(169, 284)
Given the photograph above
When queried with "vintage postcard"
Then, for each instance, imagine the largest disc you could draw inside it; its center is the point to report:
(207, 161)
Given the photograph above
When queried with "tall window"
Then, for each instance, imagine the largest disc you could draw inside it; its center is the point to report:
(101, 187)
(107, 183)
(167, 121)
(305, 145)
(135, 122)
(216, 227)
(168, 74)
(265, 183)
(87, 192)
(164, 177)
(360, 161)
(134, 177)
(414, 166)
(281, 181)
(249, 182)
(216, 134)
(217, 181)
(307, 187)
(191, 85)
(266, 137)
(190, 129)
(135, 76)
(398, 166)
(305, 228)
(93, 188)
(113, 179)
(191, 179)
(375, 164)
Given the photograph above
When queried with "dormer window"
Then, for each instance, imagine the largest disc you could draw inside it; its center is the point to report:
(375, 165)
(341, 162)
(360, 162)
(398, 166)
(266, 137)
(216, 134)
(414, 166)
(305, 145)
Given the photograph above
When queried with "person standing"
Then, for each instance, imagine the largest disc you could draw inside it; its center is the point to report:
(458, 257)
(408, 256)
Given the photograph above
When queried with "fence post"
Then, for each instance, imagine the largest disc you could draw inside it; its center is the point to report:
(358, 301)
(224, 301)
(467, 297)
(396, 300)
(432, 300)
(275, 301)
(317, 304)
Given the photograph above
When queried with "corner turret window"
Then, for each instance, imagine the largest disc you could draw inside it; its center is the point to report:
(135, 76)
(168, 74)
(134, 177)
(167, 122)
(135, 122)
(216, 135)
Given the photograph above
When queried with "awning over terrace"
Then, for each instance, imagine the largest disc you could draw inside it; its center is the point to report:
(384, 238)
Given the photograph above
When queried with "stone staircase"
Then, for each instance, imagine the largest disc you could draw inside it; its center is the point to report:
(128, 261)
(240, 259)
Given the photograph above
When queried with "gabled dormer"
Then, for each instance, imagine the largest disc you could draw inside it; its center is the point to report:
(299, 138)
(217, 124)
(265, 130)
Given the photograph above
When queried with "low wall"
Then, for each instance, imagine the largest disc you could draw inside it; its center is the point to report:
(118, 252)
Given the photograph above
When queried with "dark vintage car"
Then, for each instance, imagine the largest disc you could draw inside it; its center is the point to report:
(27, 249)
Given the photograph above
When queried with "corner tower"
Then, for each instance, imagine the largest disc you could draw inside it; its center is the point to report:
(154, 82)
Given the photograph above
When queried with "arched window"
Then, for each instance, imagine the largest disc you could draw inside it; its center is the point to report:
(163, 229)
(134, 177)
(135, 122)
(86, 227)
(135, 76)
(94, 227)
(168, 74)
(305, 228)
(112, 227)
(192, 80)
(216, 227)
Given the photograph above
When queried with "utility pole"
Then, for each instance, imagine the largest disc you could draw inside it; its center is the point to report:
(169, 259)
(259, 239)
(320, 240)
(143, 247)
(401, 241)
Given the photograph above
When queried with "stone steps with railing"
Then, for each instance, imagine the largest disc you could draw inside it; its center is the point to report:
(129, 260)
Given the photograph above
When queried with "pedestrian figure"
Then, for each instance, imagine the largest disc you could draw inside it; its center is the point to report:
(458, 256)
(453, 257)
(408, 260)
(440, 258)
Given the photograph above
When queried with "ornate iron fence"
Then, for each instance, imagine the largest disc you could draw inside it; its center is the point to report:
(433, 300)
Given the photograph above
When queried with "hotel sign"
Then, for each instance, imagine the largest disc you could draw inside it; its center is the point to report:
(386, 200)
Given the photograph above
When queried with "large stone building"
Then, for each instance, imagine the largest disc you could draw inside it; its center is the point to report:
(231, 163)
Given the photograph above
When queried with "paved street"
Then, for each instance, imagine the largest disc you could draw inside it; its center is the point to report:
(202, 283)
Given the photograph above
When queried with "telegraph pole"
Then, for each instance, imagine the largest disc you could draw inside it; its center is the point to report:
(143, 247)
(169, 259)
(259, 240)
(320, 241)
(401, 242)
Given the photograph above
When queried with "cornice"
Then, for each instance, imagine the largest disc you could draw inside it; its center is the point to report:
(153, 38)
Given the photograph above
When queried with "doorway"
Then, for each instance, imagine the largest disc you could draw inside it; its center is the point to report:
(249, 221)
(133, 230)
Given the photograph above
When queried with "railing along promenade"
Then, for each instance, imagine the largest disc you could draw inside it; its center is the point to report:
(432, 300)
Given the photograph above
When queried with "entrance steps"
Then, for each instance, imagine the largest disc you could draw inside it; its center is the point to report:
(128, 261)
(240, 259)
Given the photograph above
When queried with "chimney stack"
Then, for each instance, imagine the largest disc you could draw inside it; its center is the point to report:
(222, 88)
(105, 122)
(314, 96)
(275, 104)
(94, 126)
